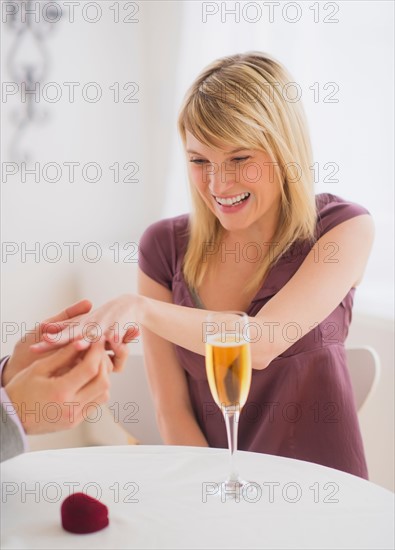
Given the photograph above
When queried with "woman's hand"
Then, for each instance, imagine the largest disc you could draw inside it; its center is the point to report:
(113, 321)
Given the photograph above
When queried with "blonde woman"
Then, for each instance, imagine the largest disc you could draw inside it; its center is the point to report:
(257, 240)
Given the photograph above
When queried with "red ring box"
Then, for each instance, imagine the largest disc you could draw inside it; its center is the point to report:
(83, 514)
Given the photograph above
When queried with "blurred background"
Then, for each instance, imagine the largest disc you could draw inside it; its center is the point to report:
(91, 156)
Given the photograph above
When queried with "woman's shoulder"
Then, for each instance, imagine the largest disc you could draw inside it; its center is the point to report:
(169, 232)
(333, 210)
(161, 246)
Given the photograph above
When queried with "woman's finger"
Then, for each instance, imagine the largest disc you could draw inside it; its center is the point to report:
(131, 333)
(58, 340)
(55, 327)
(80, 308)
(120, 357)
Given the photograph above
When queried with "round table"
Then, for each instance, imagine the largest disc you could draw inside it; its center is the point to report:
(166, 497)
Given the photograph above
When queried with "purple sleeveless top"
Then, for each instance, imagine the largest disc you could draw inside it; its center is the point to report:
(302, 405)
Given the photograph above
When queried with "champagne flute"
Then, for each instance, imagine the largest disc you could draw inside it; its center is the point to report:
(228, 367)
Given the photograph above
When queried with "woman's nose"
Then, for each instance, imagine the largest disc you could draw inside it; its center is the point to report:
(221, 178)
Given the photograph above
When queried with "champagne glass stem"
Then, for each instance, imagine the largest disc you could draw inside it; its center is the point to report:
(232, 423)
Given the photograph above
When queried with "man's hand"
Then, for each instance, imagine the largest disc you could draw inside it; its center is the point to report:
(47, 403)
(22, 356)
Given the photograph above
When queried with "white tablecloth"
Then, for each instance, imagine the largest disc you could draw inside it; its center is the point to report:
(160, 497)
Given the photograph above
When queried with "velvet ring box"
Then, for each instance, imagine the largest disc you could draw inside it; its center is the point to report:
(83, 514)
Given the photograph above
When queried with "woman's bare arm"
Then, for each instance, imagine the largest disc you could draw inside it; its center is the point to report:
(308, 298)
(175, 417)
(315, 290)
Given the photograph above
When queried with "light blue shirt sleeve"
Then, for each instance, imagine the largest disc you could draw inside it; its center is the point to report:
(8, 407)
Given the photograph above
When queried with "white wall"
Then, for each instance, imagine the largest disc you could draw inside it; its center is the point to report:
(105, 132)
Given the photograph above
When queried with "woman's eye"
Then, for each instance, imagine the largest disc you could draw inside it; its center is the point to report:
(198, 161)
(203, 161)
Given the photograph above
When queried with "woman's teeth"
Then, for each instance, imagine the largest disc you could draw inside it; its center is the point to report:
(233, 201)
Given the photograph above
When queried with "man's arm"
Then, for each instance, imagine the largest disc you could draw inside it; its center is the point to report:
(12, 436)
(11, 439)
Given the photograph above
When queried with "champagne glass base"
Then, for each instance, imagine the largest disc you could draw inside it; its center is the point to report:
(233, 489)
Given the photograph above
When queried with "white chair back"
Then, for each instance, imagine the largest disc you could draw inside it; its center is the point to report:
(364, 367)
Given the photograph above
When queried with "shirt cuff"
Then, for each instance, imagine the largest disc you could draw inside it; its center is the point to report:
(9, 407)
(3, 363)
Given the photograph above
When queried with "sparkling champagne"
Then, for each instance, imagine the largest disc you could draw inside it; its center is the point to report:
(228, 366)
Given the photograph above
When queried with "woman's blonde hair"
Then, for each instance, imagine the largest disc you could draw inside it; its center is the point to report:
(241, 100)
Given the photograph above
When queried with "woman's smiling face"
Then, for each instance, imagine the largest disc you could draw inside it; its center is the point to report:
(238, 185)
